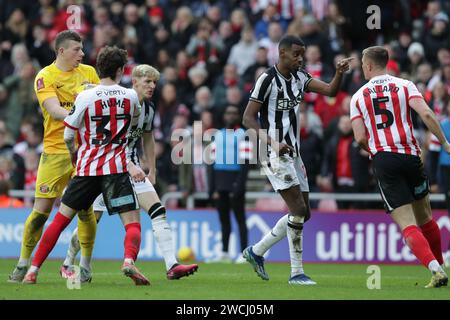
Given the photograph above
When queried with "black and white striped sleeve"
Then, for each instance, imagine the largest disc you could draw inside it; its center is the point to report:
(262, 88)
(305, 78)
(150, 117)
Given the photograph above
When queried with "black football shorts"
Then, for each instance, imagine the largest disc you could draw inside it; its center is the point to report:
(117, 189)
(401, 179)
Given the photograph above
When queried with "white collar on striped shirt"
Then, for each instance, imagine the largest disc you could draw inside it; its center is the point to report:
(380, 76)
(278, 71)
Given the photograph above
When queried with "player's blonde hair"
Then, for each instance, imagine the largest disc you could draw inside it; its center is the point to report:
(145, 70)
(378, 55)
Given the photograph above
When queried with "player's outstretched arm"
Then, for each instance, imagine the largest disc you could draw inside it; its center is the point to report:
(330, 89)
(429, 118)
(54, 109)
(359, 132)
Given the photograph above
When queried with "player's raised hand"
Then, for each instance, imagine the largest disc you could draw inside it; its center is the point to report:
(73, 158)
(343, 65)
(281, 148)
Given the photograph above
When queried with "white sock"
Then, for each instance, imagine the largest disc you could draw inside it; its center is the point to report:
(270, 239)
(23, 262)
(74, 248)
(163, 236)
(129, 260)
(85, 262)
(295, 239)
(34, 269)
(434, 266)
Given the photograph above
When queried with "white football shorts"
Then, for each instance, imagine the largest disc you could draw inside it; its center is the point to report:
(285, 172)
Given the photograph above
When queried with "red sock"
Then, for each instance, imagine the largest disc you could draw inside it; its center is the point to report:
(431, 232)
(418, 244)
(132, 240)
(49, 239)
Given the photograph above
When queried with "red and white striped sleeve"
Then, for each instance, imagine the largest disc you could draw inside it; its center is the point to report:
(413, 92)
(355, 111)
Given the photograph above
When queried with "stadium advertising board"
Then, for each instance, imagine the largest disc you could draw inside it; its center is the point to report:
(340, 237)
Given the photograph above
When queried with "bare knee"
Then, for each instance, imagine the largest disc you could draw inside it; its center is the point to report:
(296, 203)
(422, 211)
(404, 216)
(130, 217)
(300, 210)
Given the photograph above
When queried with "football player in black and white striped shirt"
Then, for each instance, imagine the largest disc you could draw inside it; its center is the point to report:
(144, 79)
(276, 97)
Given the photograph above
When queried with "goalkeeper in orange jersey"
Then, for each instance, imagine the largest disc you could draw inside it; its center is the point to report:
(56, 87)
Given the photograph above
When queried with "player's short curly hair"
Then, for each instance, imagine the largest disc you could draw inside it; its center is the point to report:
(110, 59)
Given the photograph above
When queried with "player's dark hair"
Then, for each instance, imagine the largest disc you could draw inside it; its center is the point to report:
(378, 55)
(64, 36)
(109, 60)
(287, 41)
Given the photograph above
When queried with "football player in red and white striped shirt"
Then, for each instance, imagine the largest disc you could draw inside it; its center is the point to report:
(101, 117)
(381, 120)
(144, 79)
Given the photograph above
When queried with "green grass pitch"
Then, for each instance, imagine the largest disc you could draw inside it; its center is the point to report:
(227, 282)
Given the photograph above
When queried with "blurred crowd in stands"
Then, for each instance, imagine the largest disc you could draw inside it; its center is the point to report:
(209, 54)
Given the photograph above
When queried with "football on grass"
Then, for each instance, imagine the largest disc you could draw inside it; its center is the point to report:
(186, 254)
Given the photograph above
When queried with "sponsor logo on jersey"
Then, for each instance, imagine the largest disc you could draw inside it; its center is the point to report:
(287, 104)
(135, 133)
(66, 104)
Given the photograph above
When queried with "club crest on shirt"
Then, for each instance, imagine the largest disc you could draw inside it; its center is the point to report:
(44, 188)
(40, 84)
